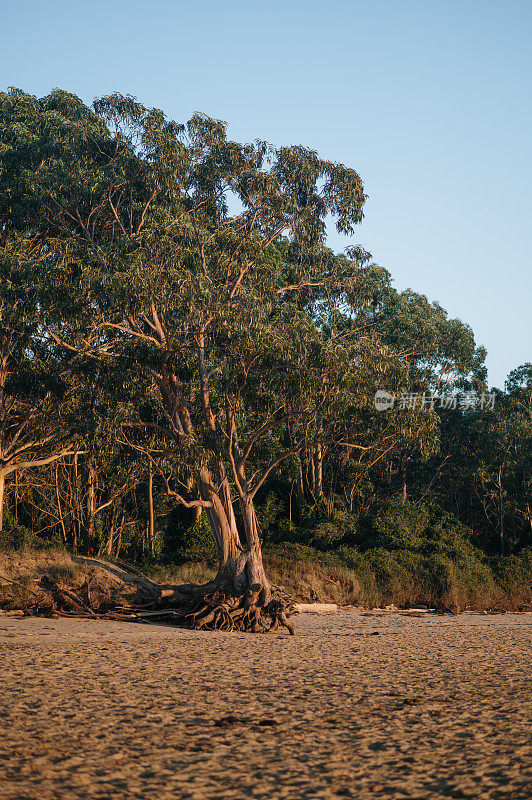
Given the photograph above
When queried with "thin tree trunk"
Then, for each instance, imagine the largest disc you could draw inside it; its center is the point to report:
(151, 523)
(290, 502)
(120, 530)
(74, 504)
(312, 463)
(2, 489)
(91, 507)
(59, 504)
(300, 488)
(110, 539)
(318, 471)
(15, 511)
(501, 515)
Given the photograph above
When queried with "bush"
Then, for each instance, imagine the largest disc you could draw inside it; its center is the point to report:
(397, 526)
(514, 576)
(424, 528)
(15, 536)
(186, 540)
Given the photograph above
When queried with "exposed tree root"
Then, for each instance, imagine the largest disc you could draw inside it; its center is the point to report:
(206, 607)
(218, 611)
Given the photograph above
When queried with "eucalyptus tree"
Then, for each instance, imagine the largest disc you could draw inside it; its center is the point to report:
(439, 356)
(429, 356)
(195, 268)
(503, 474)
(437, 351)
(519, 391)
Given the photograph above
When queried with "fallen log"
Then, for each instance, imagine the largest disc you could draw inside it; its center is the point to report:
(316, 608)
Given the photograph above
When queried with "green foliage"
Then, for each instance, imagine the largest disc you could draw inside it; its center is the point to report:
(16, 536)
(150, 334)
(187, 540)
(421, 528)
(514, 574)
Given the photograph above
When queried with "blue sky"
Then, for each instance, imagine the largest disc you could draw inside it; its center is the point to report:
(428, 101)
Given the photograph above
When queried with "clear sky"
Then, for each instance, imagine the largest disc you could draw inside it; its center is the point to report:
(429, 101)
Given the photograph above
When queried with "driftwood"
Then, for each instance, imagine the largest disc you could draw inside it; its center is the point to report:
(316, 608)
(194, 606)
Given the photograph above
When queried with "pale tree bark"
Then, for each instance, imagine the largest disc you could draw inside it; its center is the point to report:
(501, 512)
(60, 512)
(319, 471)
(90, 524)
(404, 484)
(2, 489)
(197, 511)
(300, 488)
(151, 521)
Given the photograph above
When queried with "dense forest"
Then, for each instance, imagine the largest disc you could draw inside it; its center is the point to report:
(189, 373)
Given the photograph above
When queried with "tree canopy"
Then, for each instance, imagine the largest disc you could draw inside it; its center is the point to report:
(171, 315)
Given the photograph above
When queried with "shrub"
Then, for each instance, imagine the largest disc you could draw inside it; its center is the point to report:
(186, 540)
(15, 536)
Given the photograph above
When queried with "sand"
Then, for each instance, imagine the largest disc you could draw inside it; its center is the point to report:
(355, 705)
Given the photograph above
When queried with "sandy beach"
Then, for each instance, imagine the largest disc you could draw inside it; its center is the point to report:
(355, 705)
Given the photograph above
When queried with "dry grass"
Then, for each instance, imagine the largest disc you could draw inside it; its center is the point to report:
(21, 573)
(308, 581)
(303, 579)
(193, 572)
(304, 573)
(30, 565)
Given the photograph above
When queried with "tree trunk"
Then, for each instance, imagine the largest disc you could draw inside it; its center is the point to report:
(404, 487)
(15, 510)
(240, 569)
(110, 539)
(300, 488)
(75, 505)
(2, 489)
(63, 529)
(120, 530)
(318, 471)
(91, 508)
(197, 511)
(501, 515)
(240, 597)
(254, 566)
(151, 521)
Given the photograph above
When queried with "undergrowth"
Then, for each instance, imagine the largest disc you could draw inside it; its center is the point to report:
(405, 555)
